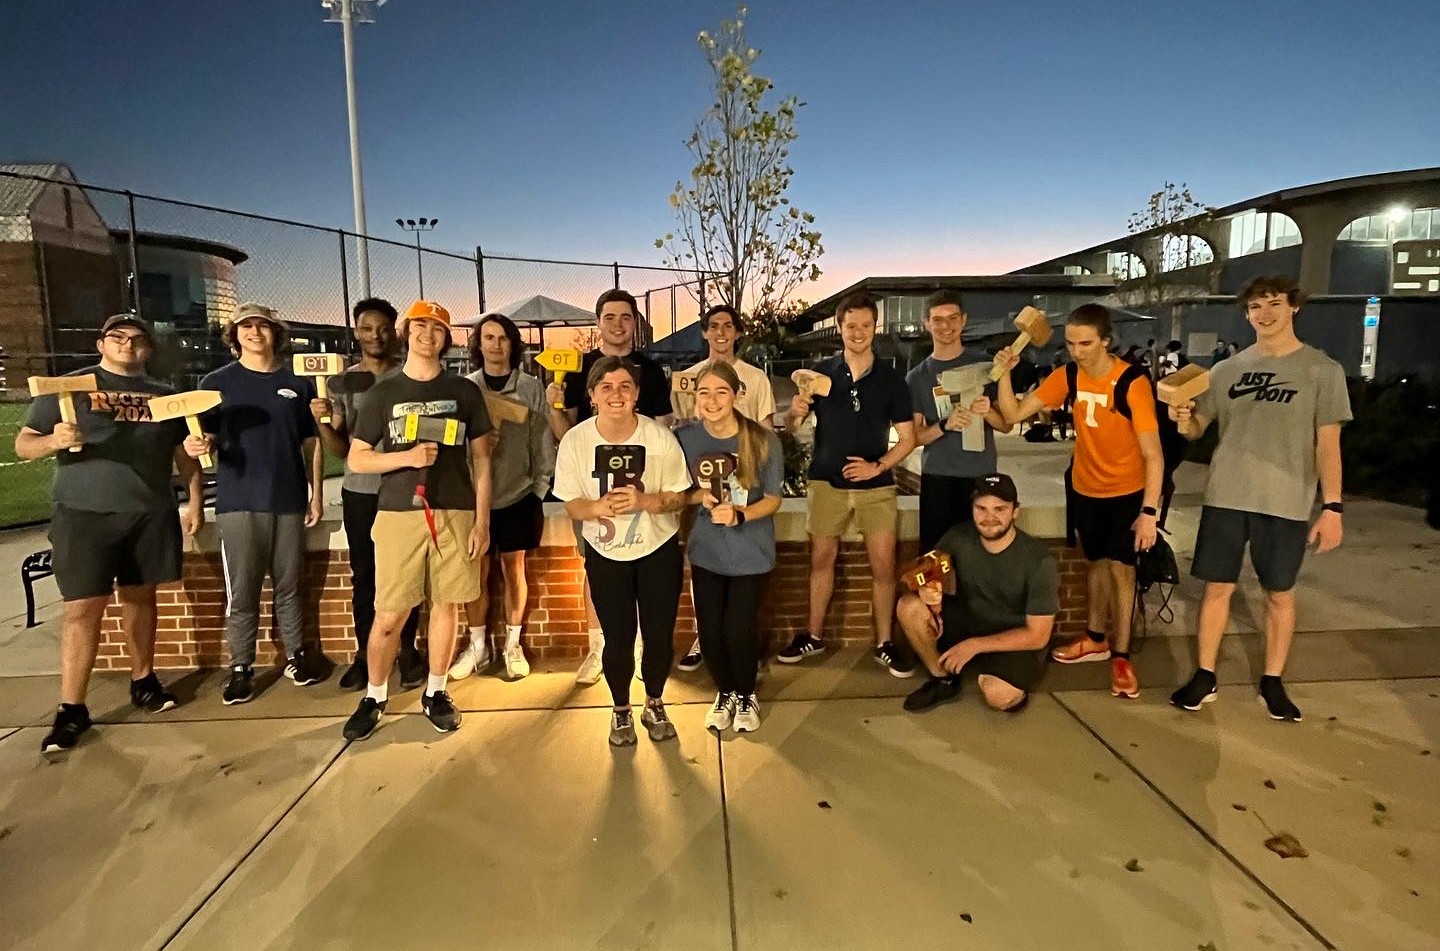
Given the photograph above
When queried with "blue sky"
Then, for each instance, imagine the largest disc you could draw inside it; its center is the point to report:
(948, 137)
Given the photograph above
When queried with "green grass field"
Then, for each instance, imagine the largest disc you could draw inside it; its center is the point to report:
(24, 486)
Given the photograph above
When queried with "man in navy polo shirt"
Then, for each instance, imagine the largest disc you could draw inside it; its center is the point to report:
(850, 475)
(268, 481)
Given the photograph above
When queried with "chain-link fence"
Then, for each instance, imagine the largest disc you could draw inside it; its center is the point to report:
(72, 253)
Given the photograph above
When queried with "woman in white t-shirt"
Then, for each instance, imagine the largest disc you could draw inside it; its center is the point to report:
(623, 477)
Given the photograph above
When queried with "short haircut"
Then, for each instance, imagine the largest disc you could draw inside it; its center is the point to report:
(1266, 286)
(860, 300)
(721, 309)
(944, 298)
(1174, 346)
(1092, 315)
(517, 346)
(608, 365)
(616, 295)
(378, 304)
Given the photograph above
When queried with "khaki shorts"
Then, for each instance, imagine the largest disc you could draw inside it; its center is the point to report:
(831, 508)
(408, 568)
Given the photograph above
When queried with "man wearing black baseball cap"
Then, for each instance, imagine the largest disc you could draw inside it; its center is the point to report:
(114, 527)
(998, 621)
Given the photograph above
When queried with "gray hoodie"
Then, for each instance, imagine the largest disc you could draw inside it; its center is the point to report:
(523, 460)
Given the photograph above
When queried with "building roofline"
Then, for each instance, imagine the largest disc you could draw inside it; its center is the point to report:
(180, 242)
(962, 282)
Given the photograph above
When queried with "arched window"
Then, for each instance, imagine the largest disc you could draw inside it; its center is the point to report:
(1252, 232)
(1179, 251)
(1124, 265)
(1397, 224)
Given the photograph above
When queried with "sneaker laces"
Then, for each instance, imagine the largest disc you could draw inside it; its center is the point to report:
(722, 701)
(622, 719)
(657, 712)
(745, 704)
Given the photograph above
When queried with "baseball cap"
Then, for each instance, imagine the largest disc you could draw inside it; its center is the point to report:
(427, 310)
(128, 320)
(997, 484)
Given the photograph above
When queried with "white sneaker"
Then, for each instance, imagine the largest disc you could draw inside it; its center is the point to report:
(516, 666)
(747, 714)
(590, 669)
(722, 713)
(473, 659)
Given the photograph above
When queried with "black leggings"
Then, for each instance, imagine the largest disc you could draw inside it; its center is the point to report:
(726, 612)
(618, 588)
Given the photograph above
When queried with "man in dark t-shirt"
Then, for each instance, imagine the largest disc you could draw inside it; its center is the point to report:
(999, 620)
(114, 527)
(422, 431)
(268, 491)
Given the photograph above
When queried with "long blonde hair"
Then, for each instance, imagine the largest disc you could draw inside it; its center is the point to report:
(754, 443)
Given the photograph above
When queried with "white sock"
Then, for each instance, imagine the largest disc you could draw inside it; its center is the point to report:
(512, 636)
(597, 641)
(379, 694)
(434, 683)
(478, 643)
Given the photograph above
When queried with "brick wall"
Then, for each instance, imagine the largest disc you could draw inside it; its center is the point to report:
(191, 625)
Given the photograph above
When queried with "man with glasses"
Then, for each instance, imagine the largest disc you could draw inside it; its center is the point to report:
(115, 527)
(851, 476)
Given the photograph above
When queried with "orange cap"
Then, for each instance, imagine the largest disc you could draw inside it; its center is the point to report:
(427, 310)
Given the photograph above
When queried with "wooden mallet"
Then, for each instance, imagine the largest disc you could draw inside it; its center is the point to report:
(64, 388)
(189, 405)
(811, 383)
(321, 366)
(1033, 327)
(934, 566)
(712, 469)
(1183, 385)
(505, 410)
(682, 393)
(559, 362)
(444, 432)
(967, 384)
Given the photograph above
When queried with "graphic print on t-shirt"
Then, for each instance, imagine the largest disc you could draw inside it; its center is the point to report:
(1262, 387)
(122, 407)
(616, 467)
(399, 411)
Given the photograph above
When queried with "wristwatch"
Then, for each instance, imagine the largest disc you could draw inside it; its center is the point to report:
(1149, 510)
(739, 517)
(1337, 507)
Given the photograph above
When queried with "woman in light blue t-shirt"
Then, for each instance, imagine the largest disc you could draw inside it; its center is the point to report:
(732, 543)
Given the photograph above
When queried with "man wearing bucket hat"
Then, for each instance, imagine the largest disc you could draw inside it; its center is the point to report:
(999, 620)
(268, 481)
(433, 521)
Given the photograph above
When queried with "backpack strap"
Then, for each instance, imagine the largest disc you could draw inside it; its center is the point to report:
(1072, 381)
(1122, 388)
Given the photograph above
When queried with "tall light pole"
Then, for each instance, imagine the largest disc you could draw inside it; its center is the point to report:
(418, 225)
(347, 13)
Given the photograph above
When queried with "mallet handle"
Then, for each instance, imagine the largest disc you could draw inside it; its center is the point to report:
(1020, 343)
(322, 390)
(193, 424)
(559, 381)
(67, 412)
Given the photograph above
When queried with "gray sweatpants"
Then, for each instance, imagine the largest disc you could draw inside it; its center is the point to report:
(253, 544)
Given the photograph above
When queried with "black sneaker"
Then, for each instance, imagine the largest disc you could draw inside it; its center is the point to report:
(1200, 690)
(656, 723)
(801, 647)
(305, 668)
(71, 719)
(622, 728)
(1272, 694)
(413, 669)
(440, 711)
(358, 676)
(692, 659)
(365, 719)
(932, 693)
(240, 688)
(887, 655)
(150, 695)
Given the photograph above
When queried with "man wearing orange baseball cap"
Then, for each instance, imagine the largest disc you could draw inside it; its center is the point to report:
(434, 508)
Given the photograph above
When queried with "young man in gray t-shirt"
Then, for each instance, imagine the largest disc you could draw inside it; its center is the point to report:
(1280, 405)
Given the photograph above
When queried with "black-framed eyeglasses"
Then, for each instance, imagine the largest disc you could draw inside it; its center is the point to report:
(130, 340)
(854, 399)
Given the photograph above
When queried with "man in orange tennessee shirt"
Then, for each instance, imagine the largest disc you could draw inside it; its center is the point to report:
(1116, 477)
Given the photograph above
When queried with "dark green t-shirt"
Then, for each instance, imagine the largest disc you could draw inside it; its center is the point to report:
(997, 592)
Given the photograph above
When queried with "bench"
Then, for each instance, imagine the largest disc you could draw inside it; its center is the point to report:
(36, 567)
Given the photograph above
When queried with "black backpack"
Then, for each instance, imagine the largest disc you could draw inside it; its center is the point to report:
(1129, 375)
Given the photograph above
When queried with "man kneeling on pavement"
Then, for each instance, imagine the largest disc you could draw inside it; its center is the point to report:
(998, 621)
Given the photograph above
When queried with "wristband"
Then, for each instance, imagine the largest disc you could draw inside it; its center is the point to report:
(1149, 510)
(1337, 507)
(739, 517)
